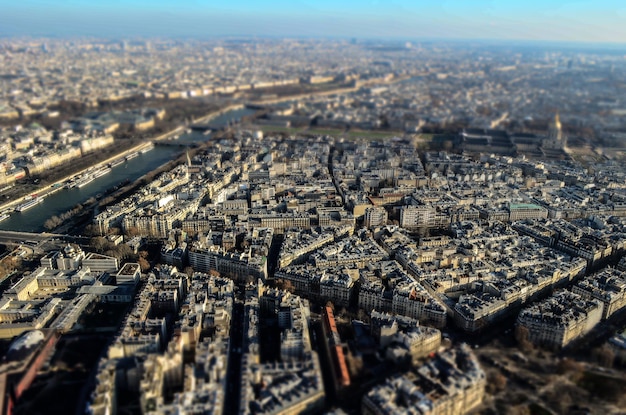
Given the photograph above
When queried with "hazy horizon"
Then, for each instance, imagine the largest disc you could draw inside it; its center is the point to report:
(481, 20)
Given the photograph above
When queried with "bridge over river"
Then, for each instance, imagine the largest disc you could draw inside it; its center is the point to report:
(33, 238)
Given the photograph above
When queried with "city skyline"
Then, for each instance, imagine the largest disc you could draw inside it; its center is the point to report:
(477, 20)
(295, 223)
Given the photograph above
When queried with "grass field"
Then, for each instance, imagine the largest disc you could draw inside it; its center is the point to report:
(325, 131)
(272, 129)
(354, 135)
(373, 135)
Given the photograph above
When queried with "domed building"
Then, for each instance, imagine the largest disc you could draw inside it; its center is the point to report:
(554, 146)
(555, 139)
(71, 257)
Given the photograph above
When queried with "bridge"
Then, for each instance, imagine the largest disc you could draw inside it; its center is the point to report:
(17, 237)
(204, 127)
(207, 126)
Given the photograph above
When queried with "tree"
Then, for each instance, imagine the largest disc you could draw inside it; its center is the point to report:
(143, 264)
(519, 410)
(605, 356)
(91, 230)
(120, 252)
(8, 265)
(131, 231)
(496, 382)
(570, 367)
(560, 397)
(363, 316)
(522, 335)
(112, 253)
(566, 365)
(49, 224)
(124, 251)
(99, 244)
(286, 285)
(114, 231)
(448, 145)
(189, 271)
(52, 223)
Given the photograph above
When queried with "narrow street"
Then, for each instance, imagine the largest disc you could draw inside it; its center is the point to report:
(233, 376)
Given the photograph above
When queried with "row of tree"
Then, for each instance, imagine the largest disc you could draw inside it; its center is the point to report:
(56, 221)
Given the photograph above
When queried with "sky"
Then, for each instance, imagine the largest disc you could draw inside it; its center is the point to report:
(553, 20)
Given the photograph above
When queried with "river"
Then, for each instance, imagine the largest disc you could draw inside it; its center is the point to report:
(32, 220)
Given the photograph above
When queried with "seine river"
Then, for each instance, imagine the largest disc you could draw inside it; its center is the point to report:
(32, 220)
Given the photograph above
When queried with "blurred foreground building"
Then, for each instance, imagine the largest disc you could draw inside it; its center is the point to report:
(450, 383)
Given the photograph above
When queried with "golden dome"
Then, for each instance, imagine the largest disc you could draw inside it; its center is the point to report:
(557, 121)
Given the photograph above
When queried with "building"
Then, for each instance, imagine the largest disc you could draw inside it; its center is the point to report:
(71, 257)
(285, 388)
(555, 139)
(294, 385)
(412, 300)
(403, 336)
(417, 217)
(100, 263)
(25, 357)
(375, 216)
(338, 287)
(556, 321)
(607, 286)
(521, 211)
(451, 383)
(129, 274)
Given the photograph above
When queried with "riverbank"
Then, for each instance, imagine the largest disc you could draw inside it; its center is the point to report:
(49, 189)
(214, 114)
(52, 187)
(329, 92)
